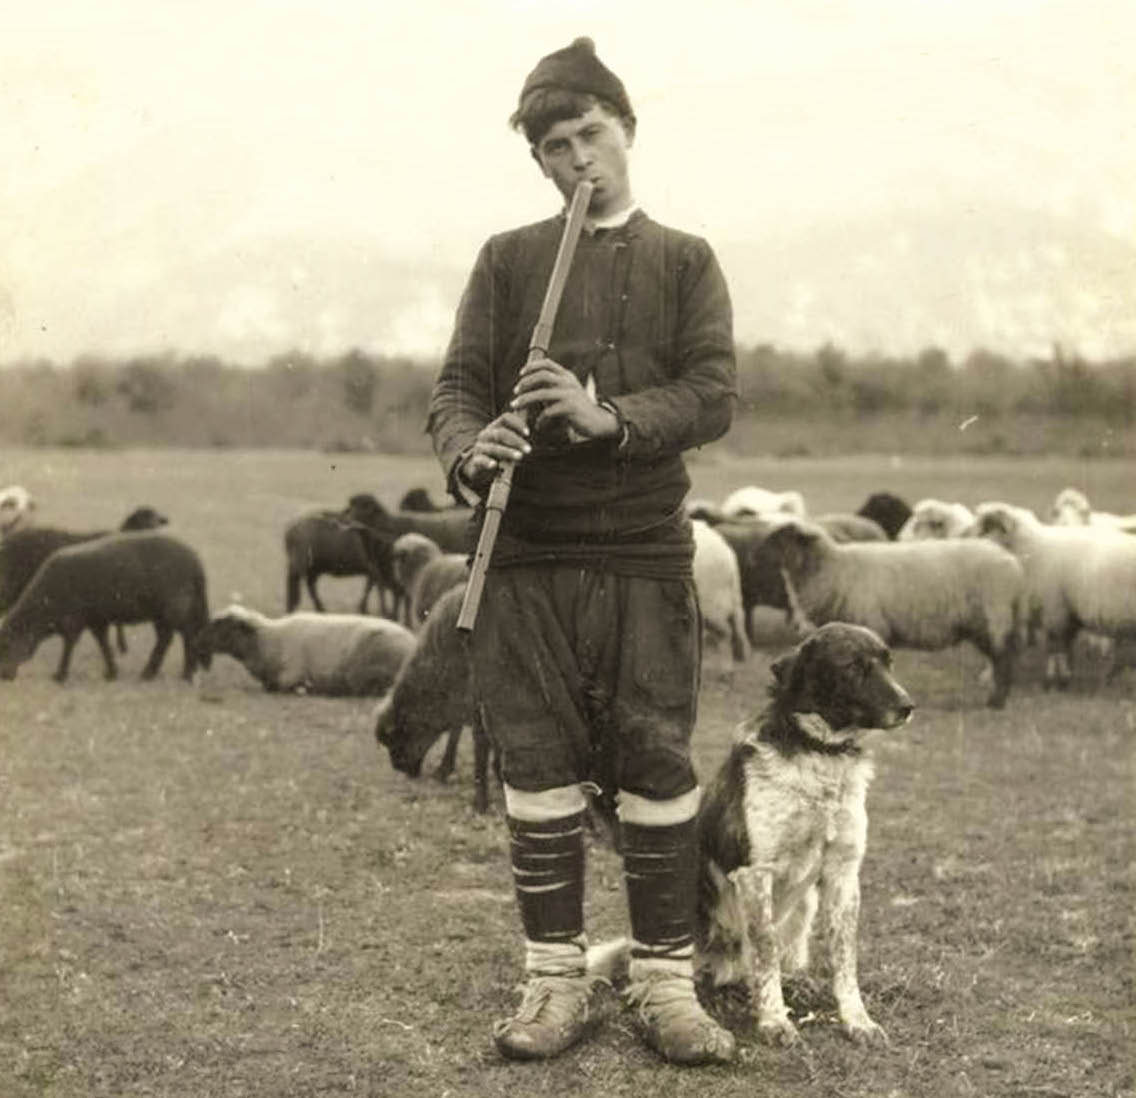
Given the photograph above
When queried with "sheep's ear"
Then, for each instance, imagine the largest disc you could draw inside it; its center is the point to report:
(782, 668)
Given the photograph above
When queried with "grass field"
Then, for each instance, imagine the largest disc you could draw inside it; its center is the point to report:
(219, 892)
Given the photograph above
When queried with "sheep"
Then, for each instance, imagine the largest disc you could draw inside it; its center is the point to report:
(761, 501)
(432, 695)
(16, 506)
(449, 528)
(932, 518)
(435, 579)
(1071, 508)
(844, 527)
(419, 499)
(718, 583)
(418, 560)
(923, 594)
(124, 577)
(320, 543)
(1077, 577)
(888, 509)
(24, 550)
(310, 651)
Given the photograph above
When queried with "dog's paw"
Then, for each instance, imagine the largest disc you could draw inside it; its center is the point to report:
(779, 1031)
(865, 1032)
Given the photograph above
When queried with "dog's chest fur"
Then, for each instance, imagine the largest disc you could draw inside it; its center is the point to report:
(803, 809)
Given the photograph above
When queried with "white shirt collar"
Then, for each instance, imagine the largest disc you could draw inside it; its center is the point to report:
(612, 221)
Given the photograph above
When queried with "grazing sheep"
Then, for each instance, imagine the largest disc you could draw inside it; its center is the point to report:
(16, 505)
(932, 518)
(1077, 577)
(127, 578)
(326, 543)
(1071, 508)
(419, 499)
(718, 583)
(334, 654)
(923, 594)
(449, 528)
(888, 509)
(24, 550)
(432, 695)
(760, 501)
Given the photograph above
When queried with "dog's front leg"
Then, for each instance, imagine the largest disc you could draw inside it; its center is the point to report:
(841, 921)
(755, 891)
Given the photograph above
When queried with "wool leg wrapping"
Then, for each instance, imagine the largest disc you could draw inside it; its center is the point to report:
(660, 867)
(548, 875)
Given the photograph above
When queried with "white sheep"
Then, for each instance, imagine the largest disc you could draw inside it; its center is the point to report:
(424, 573)
(1072, 508)
(717, 580)
(760, 501)
(934, 518)
(16, 506)
(347, 654)
(921, 594)
(1076, 577)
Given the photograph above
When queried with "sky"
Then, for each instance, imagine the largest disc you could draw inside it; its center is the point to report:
(249, 178)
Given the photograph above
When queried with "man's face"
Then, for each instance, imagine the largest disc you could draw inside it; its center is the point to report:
(593, 147)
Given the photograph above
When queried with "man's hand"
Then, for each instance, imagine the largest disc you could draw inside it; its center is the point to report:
(556, 395)
(505, 439)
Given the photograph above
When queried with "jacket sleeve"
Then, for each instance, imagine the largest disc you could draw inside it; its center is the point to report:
(462, 400)
(697, 406)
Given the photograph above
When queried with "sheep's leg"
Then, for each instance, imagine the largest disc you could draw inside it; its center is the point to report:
(189, 655)
(446, 767)
(164, 634)
(110, 671)
(311, 584)
(292, 591)
(120, 636)
(366, 595)
(69, 640)
(1002, 663)
(480, 768)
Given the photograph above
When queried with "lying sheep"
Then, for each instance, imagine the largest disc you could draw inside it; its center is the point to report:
(933, 518)
(1071, 508)
(889, 510)
(16, 507)
(127, 578)
(760, 501)
(432, 696)
(718, 583)
(924, 594)
(1077, 577)
(333, 654)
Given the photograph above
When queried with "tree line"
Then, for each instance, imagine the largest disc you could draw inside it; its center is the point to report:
(376, 402)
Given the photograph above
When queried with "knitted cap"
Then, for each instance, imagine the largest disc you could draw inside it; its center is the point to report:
(577, 68)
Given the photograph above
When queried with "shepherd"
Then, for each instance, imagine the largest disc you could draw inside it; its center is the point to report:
(586, 649)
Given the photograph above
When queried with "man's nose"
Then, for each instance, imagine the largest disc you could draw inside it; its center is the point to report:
(581, 154)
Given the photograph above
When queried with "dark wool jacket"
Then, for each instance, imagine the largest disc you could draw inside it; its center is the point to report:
(646, 312)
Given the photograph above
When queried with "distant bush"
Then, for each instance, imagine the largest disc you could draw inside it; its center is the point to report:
(791, 403)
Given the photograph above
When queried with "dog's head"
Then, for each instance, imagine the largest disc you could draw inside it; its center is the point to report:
(842, 675)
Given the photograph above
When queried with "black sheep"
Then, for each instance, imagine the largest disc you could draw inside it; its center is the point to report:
(120, 578)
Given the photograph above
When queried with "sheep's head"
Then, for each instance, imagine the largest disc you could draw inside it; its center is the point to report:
(794, 545)
(363, 507)
(144, 518)
(1070, 508)
(999, 523)
(16, 504)
(15, 648)
(410, 553)
(229, 633)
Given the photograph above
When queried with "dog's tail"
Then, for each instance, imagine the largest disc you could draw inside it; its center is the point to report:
(610, 959)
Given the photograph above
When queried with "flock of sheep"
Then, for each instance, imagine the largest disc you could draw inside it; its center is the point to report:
(925, 576)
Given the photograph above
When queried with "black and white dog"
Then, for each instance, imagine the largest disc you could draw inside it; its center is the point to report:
(783, 828)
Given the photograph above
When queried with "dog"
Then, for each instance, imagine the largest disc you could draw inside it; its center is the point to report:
(783, 827)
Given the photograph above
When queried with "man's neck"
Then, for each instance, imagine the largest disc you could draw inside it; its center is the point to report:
(612, 220)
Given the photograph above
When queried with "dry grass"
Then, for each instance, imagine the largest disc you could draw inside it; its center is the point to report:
(224, 892)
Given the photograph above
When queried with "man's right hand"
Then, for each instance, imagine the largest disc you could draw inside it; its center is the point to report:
(505, 439)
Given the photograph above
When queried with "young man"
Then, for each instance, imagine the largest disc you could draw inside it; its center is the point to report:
(586, 648)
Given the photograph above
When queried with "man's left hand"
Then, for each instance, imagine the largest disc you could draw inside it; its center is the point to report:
(559, 397)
